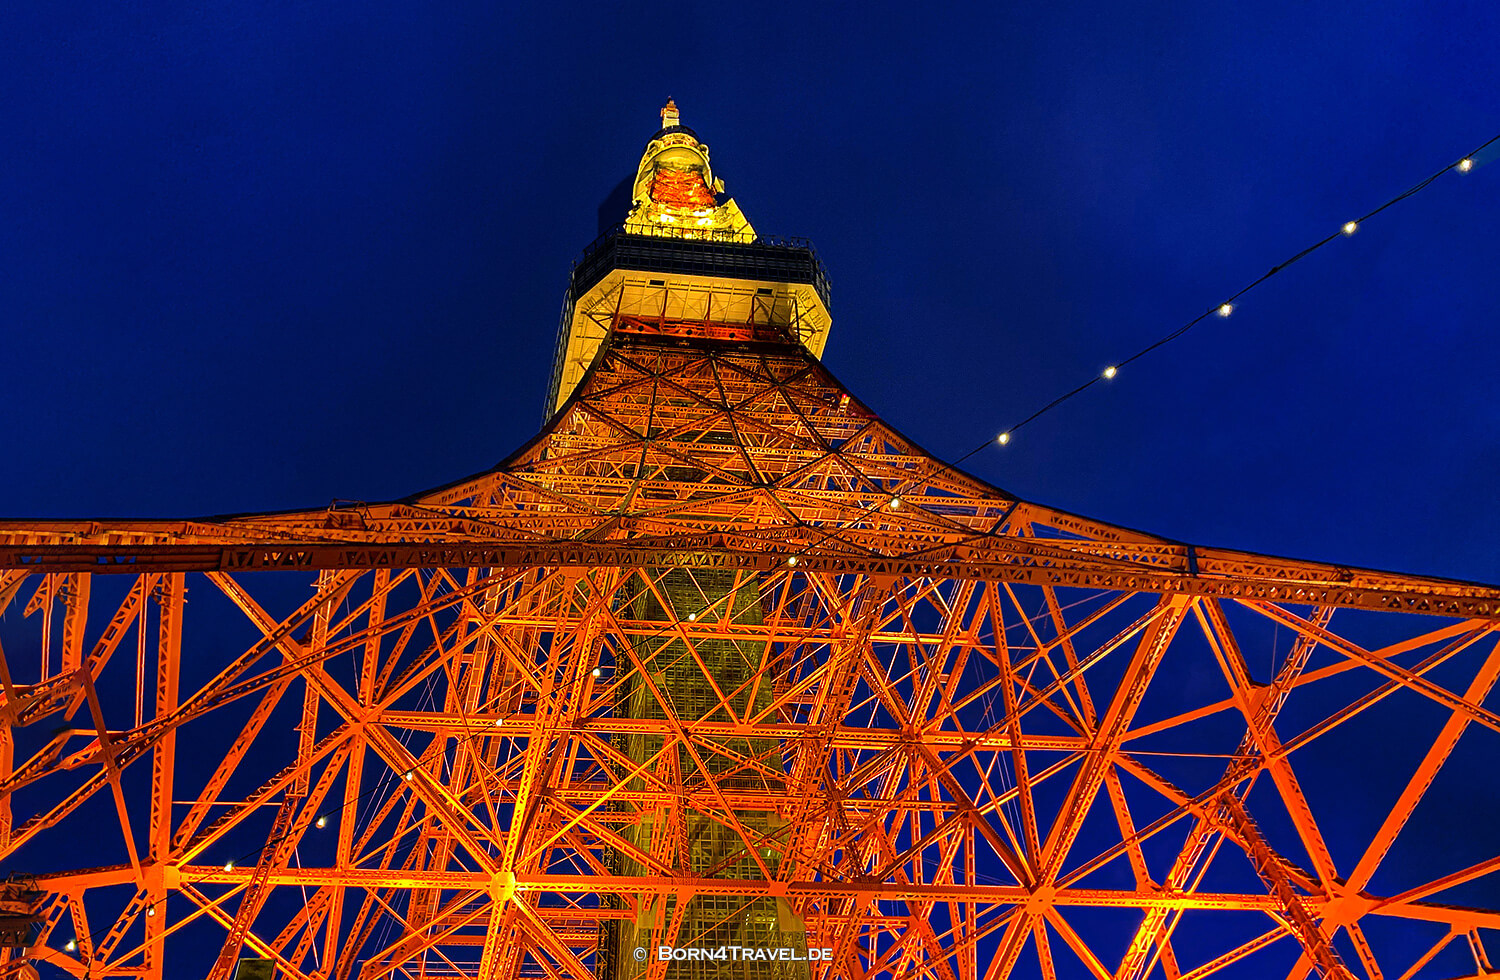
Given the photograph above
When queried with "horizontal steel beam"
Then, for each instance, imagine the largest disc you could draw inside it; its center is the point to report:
(1429, 596)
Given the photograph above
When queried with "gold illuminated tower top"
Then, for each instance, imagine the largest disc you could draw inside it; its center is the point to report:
(686, 264)
(675, 192)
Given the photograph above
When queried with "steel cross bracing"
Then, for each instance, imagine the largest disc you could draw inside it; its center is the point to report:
(971, 737)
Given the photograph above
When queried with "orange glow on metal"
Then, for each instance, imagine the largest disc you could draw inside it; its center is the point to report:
(711, 329)
(682, 189)
(963, 742)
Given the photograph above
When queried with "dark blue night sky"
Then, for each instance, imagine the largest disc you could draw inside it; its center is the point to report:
(256, 257)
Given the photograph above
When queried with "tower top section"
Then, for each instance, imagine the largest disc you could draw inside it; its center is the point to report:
(686, 267)
(675, 192)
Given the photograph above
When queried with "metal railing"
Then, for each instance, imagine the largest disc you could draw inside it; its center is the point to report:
(771, 258)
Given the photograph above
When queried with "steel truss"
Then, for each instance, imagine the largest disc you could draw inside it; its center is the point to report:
(981, 738)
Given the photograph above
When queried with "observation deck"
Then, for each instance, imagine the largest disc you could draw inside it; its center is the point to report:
(718, 254)
(691, 283)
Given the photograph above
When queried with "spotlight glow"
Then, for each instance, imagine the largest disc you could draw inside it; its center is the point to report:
(1004, 438)
(1226, 309)
(1110, 372)
(1350, 227)
(1465, 165)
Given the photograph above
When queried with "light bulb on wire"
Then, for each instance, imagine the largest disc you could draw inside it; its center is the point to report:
(1463, 165)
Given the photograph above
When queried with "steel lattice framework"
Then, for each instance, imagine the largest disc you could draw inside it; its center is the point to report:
(948, 733)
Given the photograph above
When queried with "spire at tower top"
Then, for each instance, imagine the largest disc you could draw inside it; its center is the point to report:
(669, 115)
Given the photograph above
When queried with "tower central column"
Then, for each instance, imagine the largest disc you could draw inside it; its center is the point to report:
(725, 824)
(686, 264)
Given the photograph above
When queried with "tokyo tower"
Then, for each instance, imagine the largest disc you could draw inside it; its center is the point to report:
(720, 676)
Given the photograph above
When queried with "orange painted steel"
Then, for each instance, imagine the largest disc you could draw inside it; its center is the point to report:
(683, 189)
(957, 682)
(983, 738)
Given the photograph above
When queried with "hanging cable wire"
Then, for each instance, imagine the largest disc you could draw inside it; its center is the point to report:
(1226, 307)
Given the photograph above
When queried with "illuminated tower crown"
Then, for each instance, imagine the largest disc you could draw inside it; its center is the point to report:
(686, 264)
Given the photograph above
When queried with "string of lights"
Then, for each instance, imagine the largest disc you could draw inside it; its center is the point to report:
(1223, 310)
(1226, 307)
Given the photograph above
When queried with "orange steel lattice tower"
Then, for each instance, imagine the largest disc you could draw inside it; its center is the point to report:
(721, 664)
